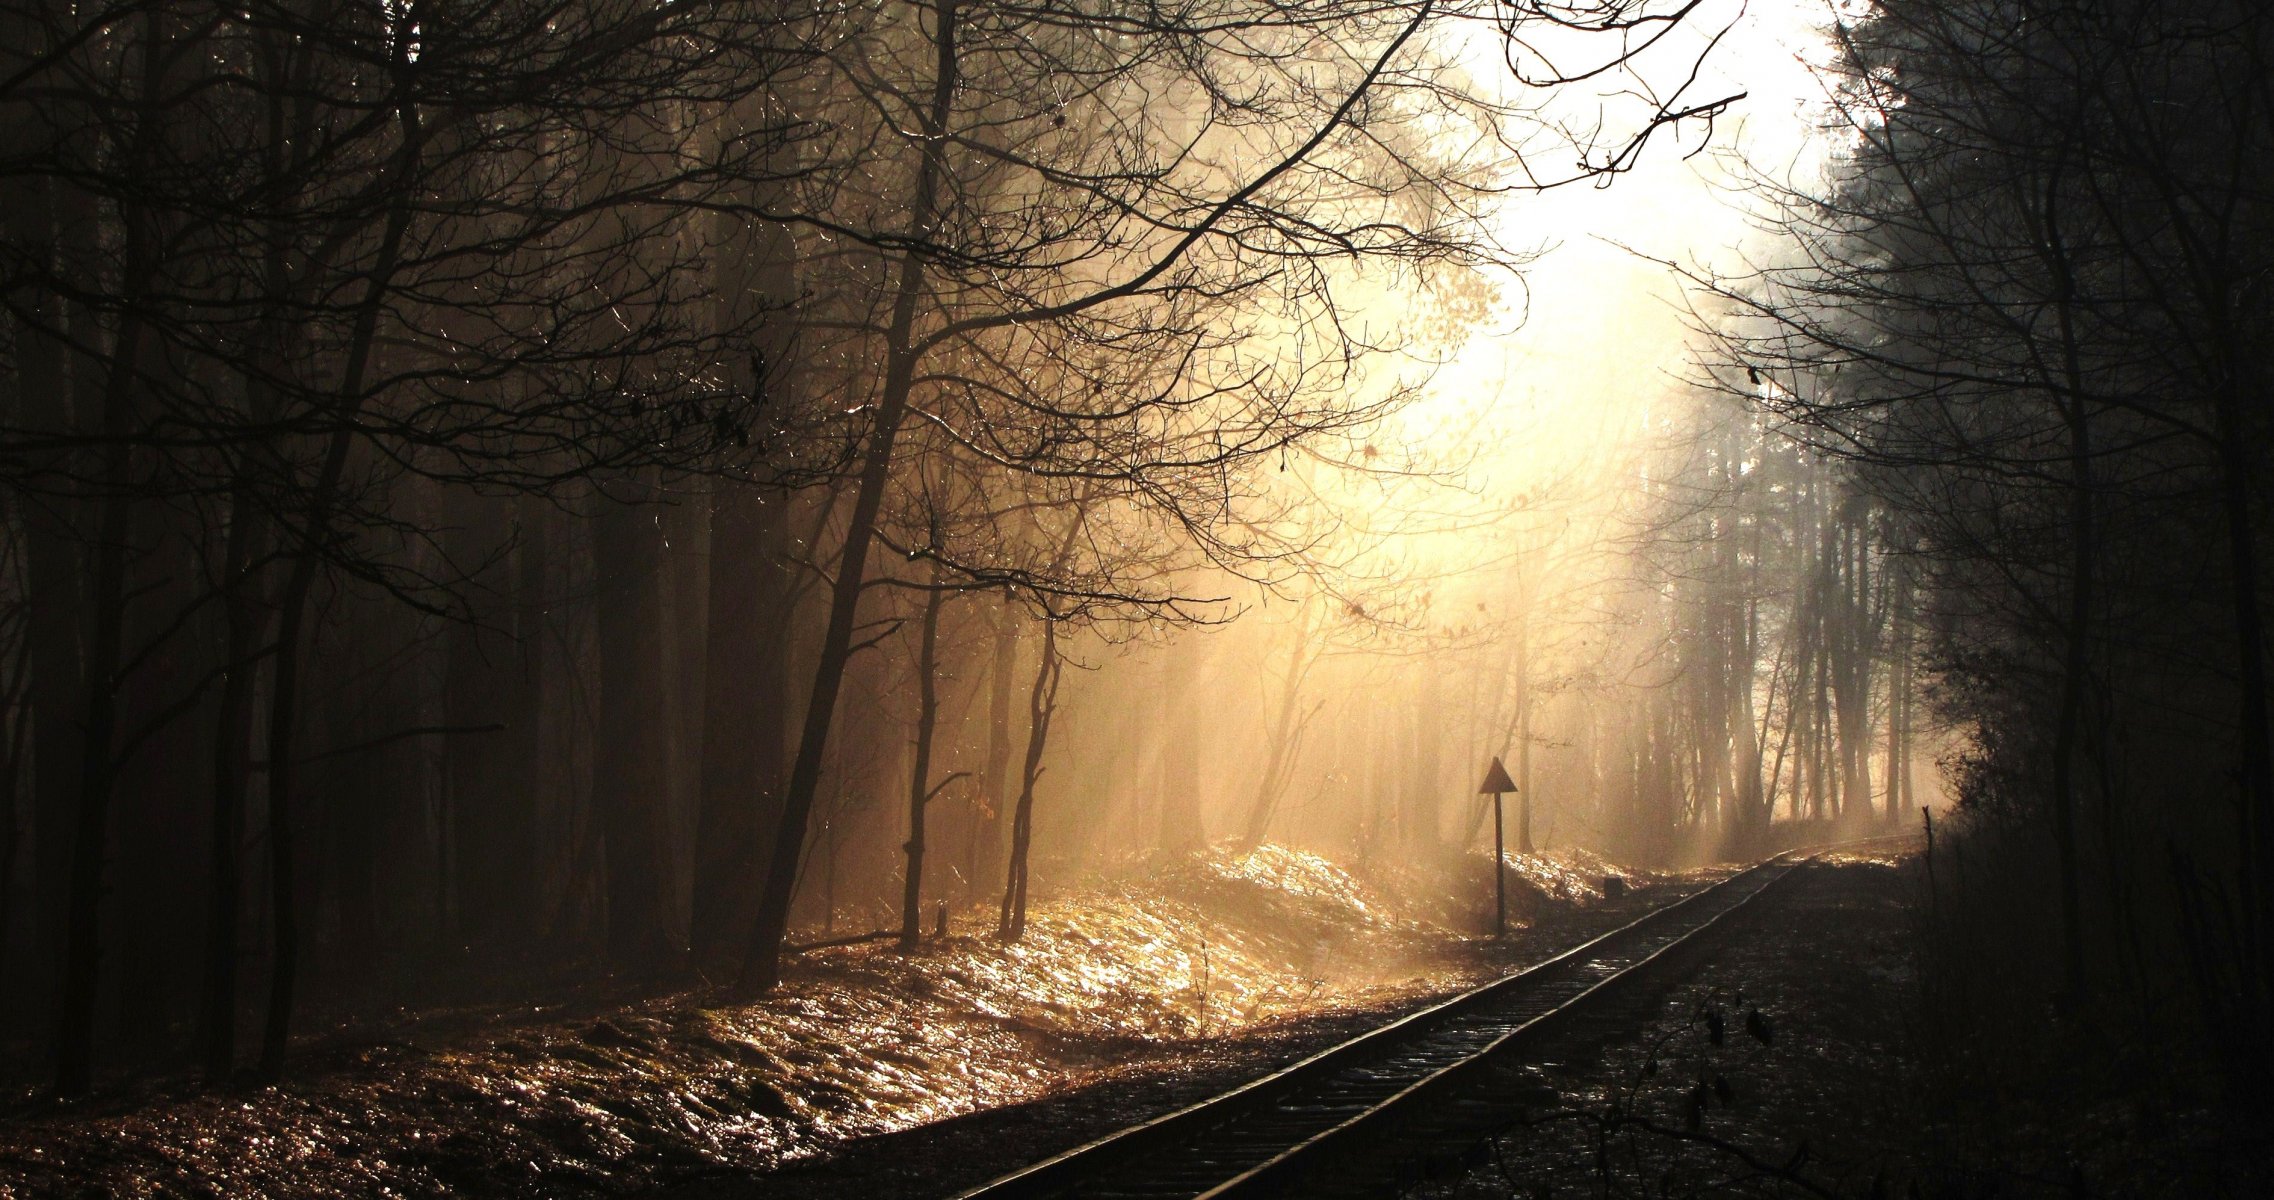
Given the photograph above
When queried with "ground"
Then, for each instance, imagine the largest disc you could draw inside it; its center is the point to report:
(1792, 1064)
(1781, 1066)
(872, 1073)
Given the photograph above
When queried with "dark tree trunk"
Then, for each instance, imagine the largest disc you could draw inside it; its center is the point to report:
(491, 806)
(106, 605)
(526, 705)
(246, 619)
(364, 792)
(52, 570)
(90, 847)
(2077, 648)
(2257, 757)
(920, 774)
(283, 796)
(1183, 829)
(1823, 785)
(629, 771)
(762, 968)
(292, 606)
(232, 750)
(54, 632)
(744, 683)
(1858, 638)
(13, 741)
(1900, 681)
(1042, 704)
(986, 846)
(749, 604)
(686, 578)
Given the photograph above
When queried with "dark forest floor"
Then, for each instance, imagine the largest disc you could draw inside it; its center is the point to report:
(1836, 1091)
(881, 1076)
(872, 1073)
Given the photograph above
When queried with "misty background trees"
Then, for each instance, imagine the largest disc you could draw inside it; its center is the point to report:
(505, 496)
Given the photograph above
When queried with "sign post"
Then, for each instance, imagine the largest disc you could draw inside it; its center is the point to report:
(1496, 784)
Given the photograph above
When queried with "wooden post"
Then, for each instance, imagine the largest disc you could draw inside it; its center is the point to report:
(1497, 785)
(1499, 874)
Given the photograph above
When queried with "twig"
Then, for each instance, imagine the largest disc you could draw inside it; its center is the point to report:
(941, 786)
(873, 935)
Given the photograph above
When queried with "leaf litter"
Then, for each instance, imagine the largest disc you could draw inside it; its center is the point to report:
(860, 1041)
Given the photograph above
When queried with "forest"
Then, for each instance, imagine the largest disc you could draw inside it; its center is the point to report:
(526, 505)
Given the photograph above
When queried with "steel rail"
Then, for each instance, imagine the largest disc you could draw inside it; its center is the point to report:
(1089, 1168)
(1274, 1174)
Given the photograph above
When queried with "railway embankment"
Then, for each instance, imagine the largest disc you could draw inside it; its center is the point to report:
(872, 1072)
(1797, 1061)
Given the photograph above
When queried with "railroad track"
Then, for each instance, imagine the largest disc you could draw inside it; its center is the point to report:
(1441, 1077)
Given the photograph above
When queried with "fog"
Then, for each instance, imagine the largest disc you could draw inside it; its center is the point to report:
(601, 499)
(1410, 469)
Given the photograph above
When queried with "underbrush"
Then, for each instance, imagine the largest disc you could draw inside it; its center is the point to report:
(1879, 1036)
(1540, 885)
(2117, 1088)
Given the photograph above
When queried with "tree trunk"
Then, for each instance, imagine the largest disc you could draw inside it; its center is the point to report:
(91, 842)
(2070, 715)
(2250, 647)
(630, 771)
(55, 631)
(283, 782)
(246, 620)
(54, 569)
(762, 967)
(490, 805)
(292, 606)
(1852, 685)
(2076, 652)
(1425, 769)
(525, 704)
(1183, 828)
(106, 606)
(750, 602)
(685, 565)
(1285, 733)
(743, 685)
(1752, 791)
(920, 774)
(232, 750)
(986, 845)
(1042, 704)
(1899, 704)
(1524, 729)
(13, 741)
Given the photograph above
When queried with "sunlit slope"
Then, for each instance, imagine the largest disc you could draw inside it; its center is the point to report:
(1130, 975)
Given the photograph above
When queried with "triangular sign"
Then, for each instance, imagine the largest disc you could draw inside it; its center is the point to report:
(1496, 780)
